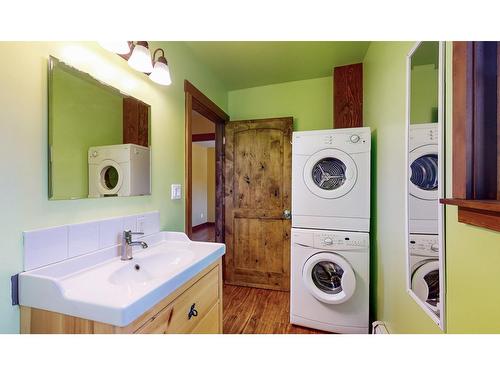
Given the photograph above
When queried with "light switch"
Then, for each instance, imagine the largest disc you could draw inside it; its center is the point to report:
(176, 191)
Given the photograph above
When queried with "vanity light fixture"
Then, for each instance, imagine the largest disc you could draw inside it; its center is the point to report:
(121, 48)
(138, 56)
(140, 59)
(161, 71)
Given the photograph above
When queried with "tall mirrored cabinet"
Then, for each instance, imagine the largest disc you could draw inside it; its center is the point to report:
(425, 178)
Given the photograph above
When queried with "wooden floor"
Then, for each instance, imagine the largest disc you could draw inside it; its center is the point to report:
(252, 310)
(205, 234)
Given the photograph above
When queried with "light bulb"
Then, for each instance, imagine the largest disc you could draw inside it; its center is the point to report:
(161, 72)
(141, 58)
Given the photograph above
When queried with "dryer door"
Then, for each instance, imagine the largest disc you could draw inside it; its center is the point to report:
(425, 284)
(330, 173)
(110, 177)
(424, 172)
(329, 278)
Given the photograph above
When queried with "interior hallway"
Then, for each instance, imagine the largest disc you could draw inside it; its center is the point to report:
(205, 233)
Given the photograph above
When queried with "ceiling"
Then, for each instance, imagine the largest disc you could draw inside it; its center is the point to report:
(248, 64)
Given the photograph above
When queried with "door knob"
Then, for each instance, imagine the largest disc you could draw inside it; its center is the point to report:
(287, 214)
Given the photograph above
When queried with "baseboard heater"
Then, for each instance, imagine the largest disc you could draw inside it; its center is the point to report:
(379, 327)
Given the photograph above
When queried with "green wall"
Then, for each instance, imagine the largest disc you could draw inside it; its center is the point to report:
(384, 81)
(424, 94)
(84, 114)
(472, 254)
(310, 102)
(24, 187)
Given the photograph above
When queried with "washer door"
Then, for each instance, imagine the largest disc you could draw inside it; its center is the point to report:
(424, 172)
(425, 284)
(329, 278)
(330, 173)
(109, 180)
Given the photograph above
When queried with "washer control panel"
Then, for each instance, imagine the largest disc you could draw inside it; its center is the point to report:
(339, 240)
(424, 244)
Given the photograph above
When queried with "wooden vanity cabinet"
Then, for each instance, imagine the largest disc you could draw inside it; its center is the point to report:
(195, 307)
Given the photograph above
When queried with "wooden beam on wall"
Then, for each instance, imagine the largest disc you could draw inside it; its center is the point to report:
(348, 96)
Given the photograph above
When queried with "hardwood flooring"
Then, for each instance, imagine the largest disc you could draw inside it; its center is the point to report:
(205, 233)
(253, 310)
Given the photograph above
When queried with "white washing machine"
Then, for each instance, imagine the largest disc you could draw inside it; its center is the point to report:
(331, 179)
(330, 280)
(119, 170)
(424, 172)
(424, 269)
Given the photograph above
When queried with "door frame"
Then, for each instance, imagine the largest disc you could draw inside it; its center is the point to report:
(196, 100)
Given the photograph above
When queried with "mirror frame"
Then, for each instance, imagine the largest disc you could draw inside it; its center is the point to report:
(441, 320)
(52, 62)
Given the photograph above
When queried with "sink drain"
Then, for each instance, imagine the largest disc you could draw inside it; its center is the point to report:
(137, 267)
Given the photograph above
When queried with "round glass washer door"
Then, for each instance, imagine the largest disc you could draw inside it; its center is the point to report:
(425, 284)
(424, 172)
(110, 177)
(329, 278)
(330, 173)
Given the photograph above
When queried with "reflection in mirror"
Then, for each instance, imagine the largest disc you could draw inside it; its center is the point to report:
(423, 177)
(99, 138)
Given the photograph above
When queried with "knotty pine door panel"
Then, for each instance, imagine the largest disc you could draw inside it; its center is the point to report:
(257, 191)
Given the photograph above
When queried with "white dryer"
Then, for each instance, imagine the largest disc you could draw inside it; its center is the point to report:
(331, 179)
(330, 280)
(424, 172)
(424, 269)
(119, 170)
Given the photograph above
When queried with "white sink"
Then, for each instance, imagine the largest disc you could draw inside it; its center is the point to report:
(145, 268)
(101, 287)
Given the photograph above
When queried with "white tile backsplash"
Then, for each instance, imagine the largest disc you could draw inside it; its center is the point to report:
(50, 245)
(110, 232)
(83, 238)
(148, 223)
(45, 246)
(130, 223)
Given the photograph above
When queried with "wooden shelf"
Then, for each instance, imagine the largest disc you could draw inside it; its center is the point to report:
(481, 213)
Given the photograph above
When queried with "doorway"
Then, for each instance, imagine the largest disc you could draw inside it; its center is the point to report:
(204, 133)
(203, 178)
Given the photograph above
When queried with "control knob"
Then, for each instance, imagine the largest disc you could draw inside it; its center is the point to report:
(354, 138)
(328, 241)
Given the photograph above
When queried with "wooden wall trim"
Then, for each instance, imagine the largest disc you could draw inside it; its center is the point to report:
(472, 193)
(188, 165)
(203, 137)
(462, 117)
(203, 101)
(348, 96)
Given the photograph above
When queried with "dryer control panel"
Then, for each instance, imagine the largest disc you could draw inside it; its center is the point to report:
(424, 244)
(341, 240)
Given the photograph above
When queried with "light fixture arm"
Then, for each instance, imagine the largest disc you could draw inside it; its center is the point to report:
(161, 58)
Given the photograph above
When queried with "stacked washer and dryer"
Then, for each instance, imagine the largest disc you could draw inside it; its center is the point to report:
(423, 212)
(330, 257)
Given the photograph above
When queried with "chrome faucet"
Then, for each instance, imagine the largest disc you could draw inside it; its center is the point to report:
(127, 244)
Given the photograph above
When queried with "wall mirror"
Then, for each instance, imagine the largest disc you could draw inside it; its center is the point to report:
(99, 138)
(425, 178)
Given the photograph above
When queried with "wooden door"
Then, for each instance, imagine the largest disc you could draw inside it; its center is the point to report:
(258, 162)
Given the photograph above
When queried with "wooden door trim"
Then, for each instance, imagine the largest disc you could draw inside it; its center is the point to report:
(196, 100)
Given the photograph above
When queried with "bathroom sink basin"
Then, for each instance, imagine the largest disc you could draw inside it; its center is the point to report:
(100, 286)
(149, 267)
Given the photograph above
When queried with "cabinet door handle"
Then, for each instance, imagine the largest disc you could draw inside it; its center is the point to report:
(192, 311)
